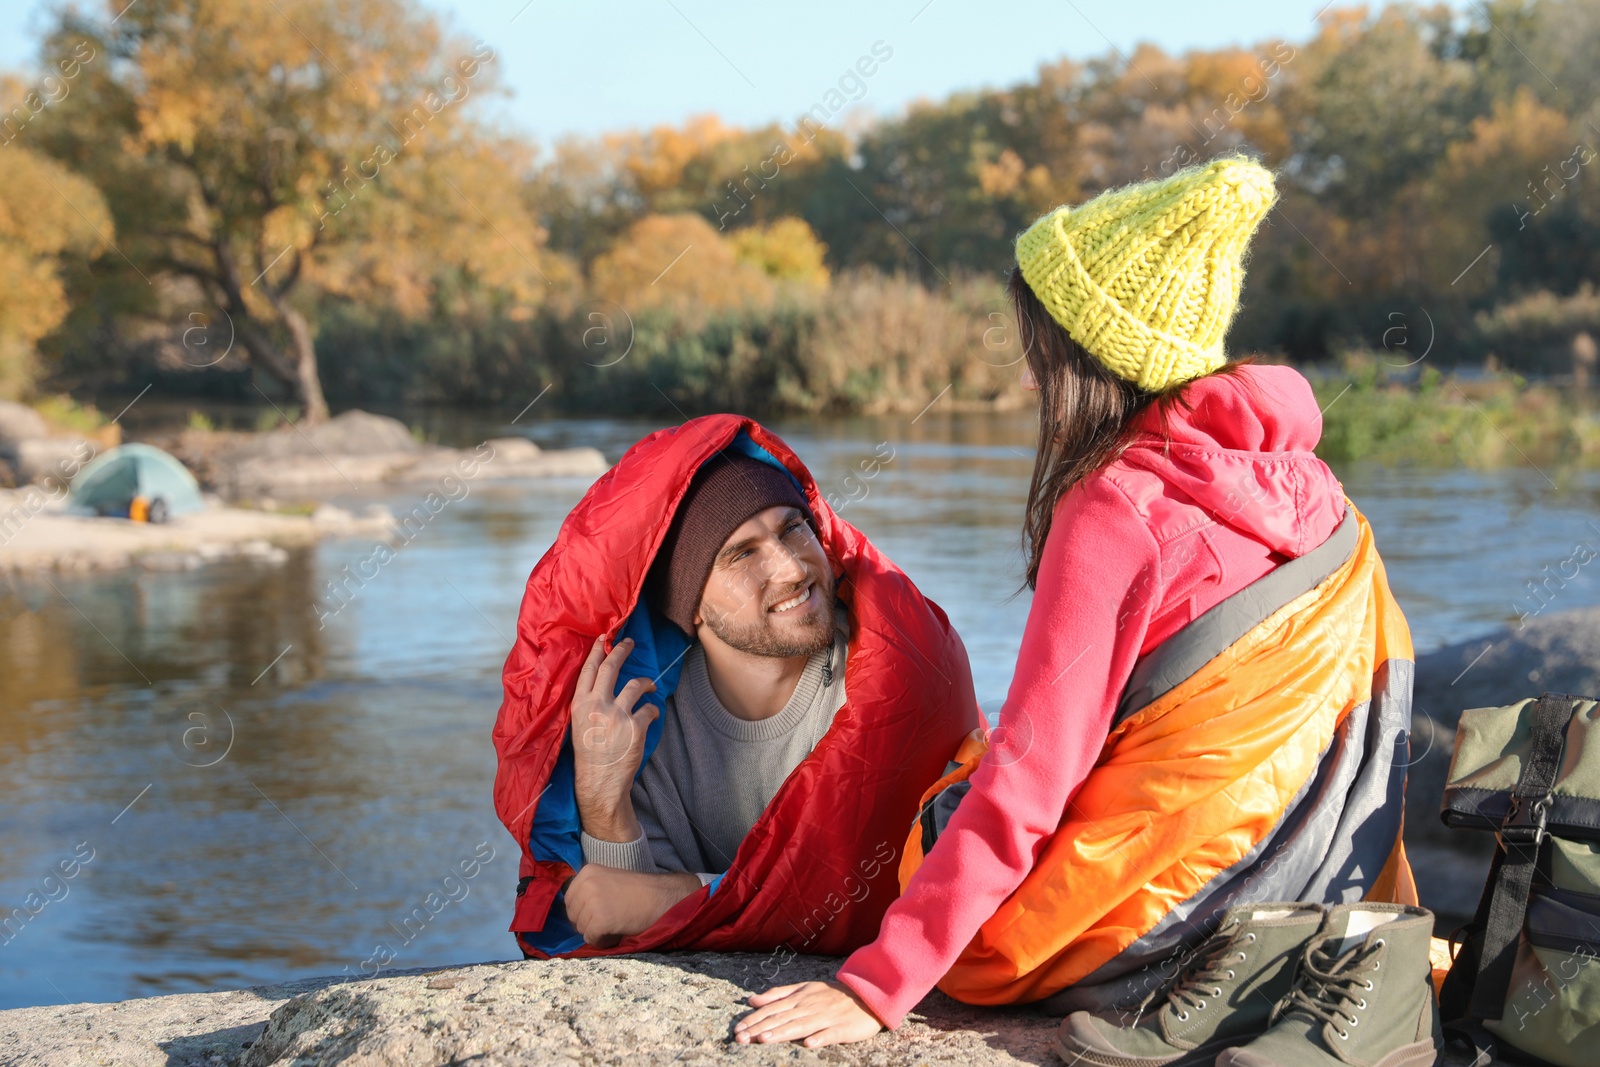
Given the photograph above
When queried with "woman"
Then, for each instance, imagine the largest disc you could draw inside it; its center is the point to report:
(1117, 814)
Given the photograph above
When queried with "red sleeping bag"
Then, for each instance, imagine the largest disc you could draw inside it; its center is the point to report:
(819, 867)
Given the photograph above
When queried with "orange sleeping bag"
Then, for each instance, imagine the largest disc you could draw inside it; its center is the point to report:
(1259, 754)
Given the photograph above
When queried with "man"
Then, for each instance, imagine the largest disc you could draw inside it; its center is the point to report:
(754, 805)
(743, 573)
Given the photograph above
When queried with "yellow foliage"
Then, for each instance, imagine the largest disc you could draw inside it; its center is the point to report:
(336, 130)
(656, 161)
(785, 249)
(677, 261)
(1217, 75)
(468, 215)
(46, 212)
(1520, 134)
(1001, 178)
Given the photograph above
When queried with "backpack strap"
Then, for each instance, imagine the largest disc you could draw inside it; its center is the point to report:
(1522, 835)
(1466, 941)
(1206, 637)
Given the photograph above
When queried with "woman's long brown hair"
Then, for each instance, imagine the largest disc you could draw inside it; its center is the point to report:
(1086, 414)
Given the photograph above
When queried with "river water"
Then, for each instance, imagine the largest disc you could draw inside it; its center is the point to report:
(247, 787)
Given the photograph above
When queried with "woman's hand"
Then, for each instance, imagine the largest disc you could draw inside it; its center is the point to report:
(821, 1013)
(608, 742)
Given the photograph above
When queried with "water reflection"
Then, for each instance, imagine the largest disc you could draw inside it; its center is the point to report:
(258, 794)
(271, 794)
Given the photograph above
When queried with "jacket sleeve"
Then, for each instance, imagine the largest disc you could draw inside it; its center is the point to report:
(1098, 583)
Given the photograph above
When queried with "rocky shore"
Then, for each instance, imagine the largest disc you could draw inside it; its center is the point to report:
(48, 539)
(353, 452)
(358, 449)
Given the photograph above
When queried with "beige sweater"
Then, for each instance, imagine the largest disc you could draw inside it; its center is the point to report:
(712, 773)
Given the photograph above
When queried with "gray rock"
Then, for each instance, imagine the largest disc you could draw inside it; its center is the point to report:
(302, 475)
(51, 458)
(514, 449)
(353, 433)
(505, 458)
(183, 1030)
(308, 474)
(648, 1009)
(360, 433)
(1558, 653)
(18, 422)
(28, 452)
(655, 1008)
(358, 449)
(518, 462)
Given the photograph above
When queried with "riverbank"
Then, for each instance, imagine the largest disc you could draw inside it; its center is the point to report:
(1374, 412)
(282, 475)
(34, 539)
(648, 1009)
(352, 451)
(355, 450)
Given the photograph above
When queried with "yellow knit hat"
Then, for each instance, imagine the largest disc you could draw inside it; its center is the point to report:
(1146, 277)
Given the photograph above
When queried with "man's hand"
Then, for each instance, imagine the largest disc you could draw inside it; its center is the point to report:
(608, 742)
(607, 904)
(814, 1013)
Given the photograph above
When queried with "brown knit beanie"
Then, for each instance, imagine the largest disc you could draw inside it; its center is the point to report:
(726, 490)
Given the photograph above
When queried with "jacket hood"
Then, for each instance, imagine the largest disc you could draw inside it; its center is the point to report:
(1240, 446)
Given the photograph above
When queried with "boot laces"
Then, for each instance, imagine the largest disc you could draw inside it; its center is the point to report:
(1205, 972)
(1327, 982)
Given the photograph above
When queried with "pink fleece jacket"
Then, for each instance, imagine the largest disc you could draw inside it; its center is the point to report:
(1182, 519)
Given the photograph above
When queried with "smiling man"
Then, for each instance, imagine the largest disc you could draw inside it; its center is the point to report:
(743, 573)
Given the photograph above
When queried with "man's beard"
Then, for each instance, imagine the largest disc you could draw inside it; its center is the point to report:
(761, 640)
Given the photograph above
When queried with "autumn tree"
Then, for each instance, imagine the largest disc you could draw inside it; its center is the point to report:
(683, 263)
(678, 262)
(786, 250)
(589, 190)
(46, 214)
(277, 154)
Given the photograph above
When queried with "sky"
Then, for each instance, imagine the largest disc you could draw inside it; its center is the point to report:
(588, 66)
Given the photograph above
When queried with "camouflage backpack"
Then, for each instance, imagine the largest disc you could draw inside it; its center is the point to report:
(1526, 976)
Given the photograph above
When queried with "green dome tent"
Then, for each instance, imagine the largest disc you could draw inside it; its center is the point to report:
(112, 480)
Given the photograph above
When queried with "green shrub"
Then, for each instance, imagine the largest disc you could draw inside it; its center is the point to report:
(1500, 420)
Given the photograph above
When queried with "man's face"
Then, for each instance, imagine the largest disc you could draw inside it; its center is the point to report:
(770, 592)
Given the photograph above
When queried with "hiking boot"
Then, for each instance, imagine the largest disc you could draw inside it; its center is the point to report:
(1364, 996)
(1223, 995)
